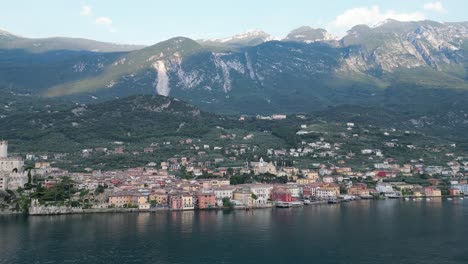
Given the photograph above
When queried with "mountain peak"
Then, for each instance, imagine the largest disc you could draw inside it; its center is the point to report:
(250, 34)
(6, 34)
(245, 39)
(308, 35)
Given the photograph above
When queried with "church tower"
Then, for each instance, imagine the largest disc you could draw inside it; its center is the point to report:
(3, 149)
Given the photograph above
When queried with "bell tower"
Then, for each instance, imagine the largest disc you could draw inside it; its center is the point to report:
(3, 149)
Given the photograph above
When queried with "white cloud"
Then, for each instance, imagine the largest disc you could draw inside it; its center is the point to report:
(86, 10)
(104, 21)
(369, 16)
(434, 7)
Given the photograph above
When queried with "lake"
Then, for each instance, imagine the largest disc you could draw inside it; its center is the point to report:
(389, 231)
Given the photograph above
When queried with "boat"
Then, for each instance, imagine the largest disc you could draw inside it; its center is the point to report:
(288, 204)
(393, 196)
(461, 198)
(407, 198)
(306, 202)
(449, 199)
(283, 205)
(333, 201)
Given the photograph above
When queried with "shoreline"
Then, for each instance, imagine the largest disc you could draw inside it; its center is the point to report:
(52, 210)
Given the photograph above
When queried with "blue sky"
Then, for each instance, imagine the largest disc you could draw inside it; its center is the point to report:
(151, 21)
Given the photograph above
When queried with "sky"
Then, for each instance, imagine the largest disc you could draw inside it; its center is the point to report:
(150, 21)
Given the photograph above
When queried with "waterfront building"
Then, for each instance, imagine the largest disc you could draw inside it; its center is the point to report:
(122, 199)
(223, 192)
(12, 174)
(188, 203)
(326, 192)
(206, 199)
(281, 194)
(176, 201)
(463, 188)
(454, 192)
(243, 197)
(383, 187)
(262, 193)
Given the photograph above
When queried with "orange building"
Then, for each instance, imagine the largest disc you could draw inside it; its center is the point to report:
(206, 200)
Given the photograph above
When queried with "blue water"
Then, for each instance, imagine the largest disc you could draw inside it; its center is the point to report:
(390, 231)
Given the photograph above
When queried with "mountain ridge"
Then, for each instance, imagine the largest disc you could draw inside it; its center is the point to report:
(363, 67)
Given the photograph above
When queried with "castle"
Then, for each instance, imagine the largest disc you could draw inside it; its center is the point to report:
(12, 174)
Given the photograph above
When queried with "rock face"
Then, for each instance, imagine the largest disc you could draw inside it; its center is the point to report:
(407, 45)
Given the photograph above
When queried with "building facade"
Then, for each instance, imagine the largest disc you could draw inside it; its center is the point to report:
(12, 174)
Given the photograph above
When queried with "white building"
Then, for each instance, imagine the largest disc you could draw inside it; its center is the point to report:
(12, 174)
(325, 193)
(262, 192)
(384, 187)
(223, 192)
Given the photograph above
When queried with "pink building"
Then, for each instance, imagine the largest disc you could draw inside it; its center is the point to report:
(206, 200)
(282, 195)
(176, 202)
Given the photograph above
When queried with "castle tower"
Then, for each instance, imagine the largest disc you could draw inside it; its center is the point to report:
(4, 149)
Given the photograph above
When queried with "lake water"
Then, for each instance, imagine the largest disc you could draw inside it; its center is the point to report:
(389, 231)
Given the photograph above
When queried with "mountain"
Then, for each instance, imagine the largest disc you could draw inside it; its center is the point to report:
(404, 66)
(11, 41)
(309, 35)
(246, 39)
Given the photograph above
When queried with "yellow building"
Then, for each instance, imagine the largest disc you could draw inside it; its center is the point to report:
(142, 199)
(119, 200)
(313, 175)
(304, 181)
(187, 200)
(244, 197)
(160, 196)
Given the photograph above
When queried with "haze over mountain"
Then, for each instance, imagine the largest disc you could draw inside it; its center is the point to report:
(11, 41)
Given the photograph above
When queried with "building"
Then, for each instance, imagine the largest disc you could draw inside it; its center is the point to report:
(215, 182)
(326, 192)
(261, 193)
(223, 192)
(359, 189)
(281, 194)
(243, 197)
(188, 202)
(432, 192)
(383, 187)
(122, 200)
(159, 196)
(463, 188)
(12, 174)
(206, 200)
(328, 179)
(304, 181)
(176, 201)
(264, 167)
(454, 192)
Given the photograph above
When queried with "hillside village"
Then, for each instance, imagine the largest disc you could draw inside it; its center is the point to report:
(236, 171)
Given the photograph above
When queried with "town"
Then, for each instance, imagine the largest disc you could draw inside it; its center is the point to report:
(190, 183)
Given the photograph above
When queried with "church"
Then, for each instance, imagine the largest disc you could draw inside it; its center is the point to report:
(263, 167)
(12, 174)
